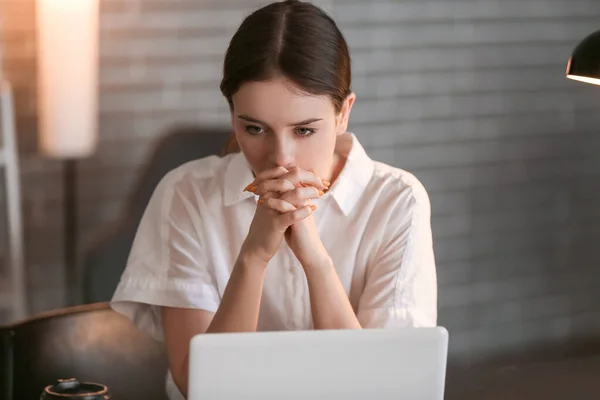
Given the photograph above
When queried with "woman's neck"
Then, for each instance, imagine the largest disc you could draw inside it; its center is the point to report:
(343, 146)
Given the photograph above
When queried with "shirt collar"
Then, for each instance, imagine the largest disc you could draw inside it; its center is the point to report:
(354, 177)
(346, 190)
(238, 175)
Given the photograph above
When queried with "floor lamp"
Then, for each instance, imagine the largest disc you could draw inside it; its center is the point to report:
(67, 52)
(584, 63)
(9, 161)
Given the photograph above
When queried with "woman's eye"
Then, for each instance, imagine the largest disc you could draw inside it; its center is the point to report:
(253, 129)
(305, 131)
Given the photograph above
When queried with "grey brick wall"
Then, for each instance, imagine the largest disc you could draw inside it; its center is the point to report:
(469, 95)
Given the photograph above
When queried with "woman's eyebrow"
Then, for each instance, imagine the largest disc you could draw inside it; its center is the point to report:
(257, 121)
(306, 121)
(250, 119)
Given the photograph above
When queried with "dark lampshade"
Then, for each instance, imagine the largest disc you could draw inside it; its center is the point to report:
(584, 64)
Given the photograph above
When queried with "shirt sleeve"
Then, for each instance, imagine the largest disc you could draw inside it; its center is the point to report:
(167, 265)
(401, 283)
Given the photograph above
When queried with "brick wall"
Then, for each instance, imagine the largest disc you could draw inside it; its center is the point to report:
(469, 95)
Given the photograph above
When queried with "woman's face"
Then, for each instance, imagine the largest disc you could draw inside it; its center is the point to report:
(276, 125)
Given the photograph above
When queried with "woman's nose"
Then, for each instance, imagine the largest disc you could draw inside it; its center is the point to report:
(281, 153)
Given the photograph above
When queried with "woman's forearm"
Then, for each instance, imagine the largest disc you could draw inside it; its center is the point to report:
(329, 303)
(237, 312)
(240, 305)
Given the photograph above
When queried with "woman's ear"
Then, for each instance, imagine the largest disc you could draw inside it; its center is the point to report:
(344, 115)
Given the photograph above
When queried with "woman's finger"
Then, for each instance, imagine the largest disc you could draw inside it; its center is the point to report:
(267, 174)
(291, 218)
(301, 196)
(300, 178)
(277, 204)
(297, 176)
(268, 195)
(280, 185)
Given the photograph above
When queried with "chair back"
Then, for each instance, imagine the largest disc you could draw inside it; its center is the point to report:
(5, 363)
(105, 260)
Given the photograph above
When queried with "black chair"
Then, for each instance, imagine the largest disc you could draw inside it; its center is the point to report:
(91, 343)
(5, 363)
(104, 261)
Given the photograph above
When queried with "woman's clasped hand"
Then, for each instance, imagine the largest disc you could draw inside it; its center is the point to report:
(285, 210)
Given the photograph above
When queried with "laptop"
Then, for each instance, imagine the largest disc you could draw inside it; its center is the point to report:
(391, 363)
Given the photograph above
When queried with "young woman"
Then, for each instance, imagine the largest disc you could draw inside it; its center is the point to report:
(301, 229)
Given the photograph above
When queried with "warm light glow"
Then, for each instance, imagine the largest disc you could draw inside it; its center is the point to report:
(593, 81)
(67, 76)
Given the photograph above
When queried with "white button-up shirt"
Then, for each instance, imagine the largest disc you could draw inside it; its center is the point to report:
(374, 222)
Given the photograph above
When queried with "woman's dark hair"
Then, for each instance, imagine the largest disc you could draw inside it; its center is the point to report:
(294, 40)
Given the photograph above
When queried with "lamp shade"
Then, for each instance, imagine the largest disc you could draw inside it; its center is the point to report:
(584, 64)
(67, 45)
